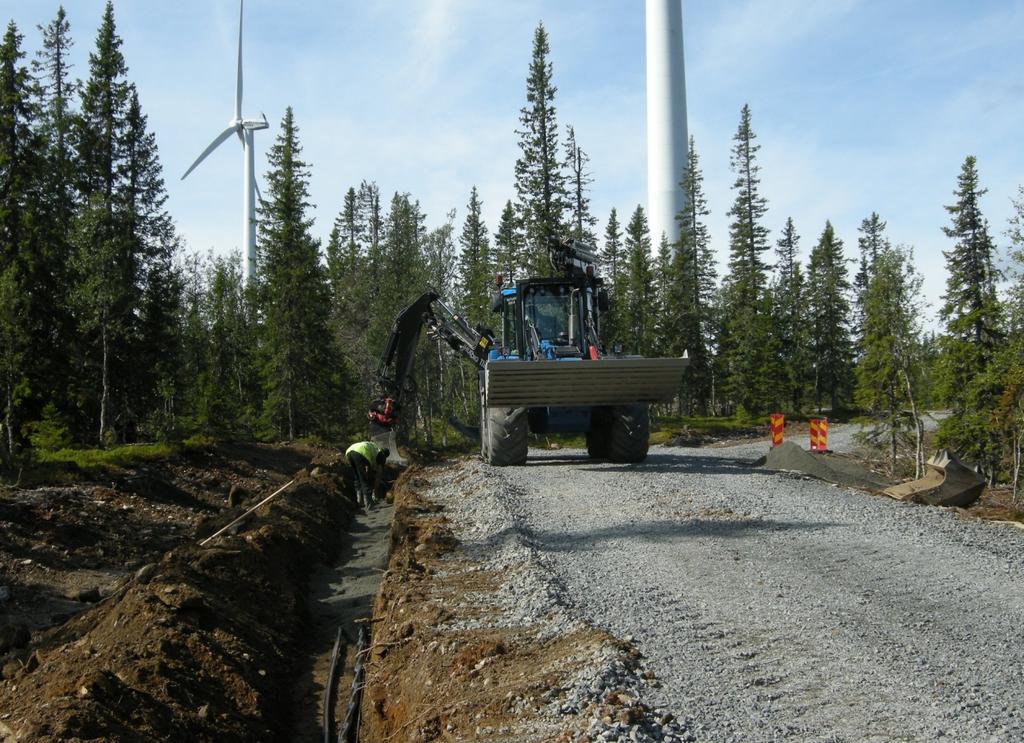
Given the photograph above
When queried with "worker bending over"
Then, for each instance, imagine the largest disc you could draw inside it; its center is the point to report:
(365, 457)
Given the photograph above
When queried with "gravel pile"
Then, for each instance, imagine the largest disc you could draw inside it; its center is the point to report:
(606, 699)
(767, 605)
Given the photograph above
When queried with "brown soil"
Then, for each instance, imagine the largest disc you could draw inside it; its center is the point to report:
(203, 645)
(63, 548)
(997, 504)
(430, 680)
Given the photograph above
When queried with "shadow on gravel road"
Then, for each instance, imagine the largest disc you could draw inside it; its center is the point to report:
(659, 463)
(651, 531)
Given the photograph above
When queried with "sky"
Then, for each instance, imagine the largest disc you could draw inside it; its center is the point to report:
(858, 105)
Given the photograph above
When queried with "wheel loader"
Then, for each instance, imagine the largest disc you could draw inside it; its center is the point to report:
(544, 370)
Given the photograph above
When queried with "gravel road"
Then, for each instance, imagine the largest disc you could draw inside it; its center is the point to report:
(773, 606)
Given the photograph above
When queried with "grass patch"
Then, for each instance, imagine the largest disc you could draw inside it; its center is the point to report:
(115, 456)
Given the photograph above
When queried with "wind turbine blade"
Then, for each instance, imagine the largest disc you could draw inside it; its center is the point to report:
(238, 87)
(213, 145)
(259, 195)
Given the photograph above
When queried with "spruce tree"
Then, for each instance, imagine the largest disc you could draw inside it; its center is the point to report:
(220, 348)
(637, 332)
(828, 308)
(104, 263)
(352, 282)
(301, 365)
(615, 271)
(746, 326)
(692, 289)
(581, 221)
(475, 263)
(56, 93)
(57, 90)
(665, 323)
(508, 249)
(540, 183)
(889, 373)
(22, 322)
(973, 321)
(151, 274)
(871, 242)
(1009, 412)
(789, 325)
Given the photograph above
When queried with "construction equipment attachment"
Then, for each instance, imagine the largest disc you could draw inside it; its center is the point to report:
(605, 381)
(947, 482)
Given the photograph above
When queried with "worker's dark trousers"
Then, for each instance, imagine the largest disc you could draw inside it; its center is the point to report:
(361, 472)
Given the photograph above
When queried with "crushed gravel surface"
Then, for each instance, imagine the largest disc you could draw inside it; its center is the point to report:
(768, 605)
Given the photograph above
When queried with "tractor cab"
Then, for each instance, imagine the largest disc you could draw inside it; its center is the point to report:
(550, 319)
(546, 319)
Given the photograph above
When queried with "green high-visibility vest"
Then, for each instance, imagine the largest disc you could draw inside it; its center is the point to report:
(367, 449)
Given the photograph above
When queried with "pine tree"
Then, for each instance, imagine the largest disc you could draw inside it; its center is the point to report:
(871, 242)
(889, 373)
(789, 326)
(746, 326)
(829, 312)
(540, 182)
(508, 249)
(301, 365)
(972, 315)
(581, 221)
(691, 295)
(638, 312)
(475, 264)
(615, 268)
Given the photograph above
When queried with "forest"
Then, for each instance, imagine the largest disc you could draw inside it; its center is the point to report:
(112, 332)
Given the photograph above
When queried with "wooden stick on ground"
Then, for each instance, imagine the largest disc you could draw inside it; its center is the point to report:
(247, 513)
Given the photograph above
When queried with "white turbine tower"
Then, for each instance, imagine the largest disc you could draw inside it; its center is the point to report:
(667, 139)
(244, 129)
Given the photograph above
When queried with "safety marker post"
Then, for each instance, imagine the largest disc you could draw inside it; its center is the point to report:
(819, 434)
(778, 422)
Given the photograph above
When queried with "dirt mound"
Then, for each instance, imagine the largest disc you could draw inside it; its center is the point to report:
(198, 647)
(833, 468)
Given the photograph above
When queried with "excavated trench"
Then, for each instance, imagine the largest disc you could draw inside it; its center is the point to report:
(224, 642)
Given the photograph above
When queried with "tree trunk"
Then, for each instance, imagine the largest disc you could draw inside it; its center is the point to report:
(1018, 441)
(291, 412)
(9, 420)
(918, 426)
(892, 450)
(105, 395)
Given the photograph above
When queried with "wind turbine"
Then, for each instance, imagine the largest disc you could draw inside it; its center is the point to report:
(667, 140)
(244, 129)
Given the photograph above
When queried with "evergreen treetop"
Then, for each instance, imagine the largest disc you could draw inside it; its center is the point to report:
(540, 181)
(748, 237)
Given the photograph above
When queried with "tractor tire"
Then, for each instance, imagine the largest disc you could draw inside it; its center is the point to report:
(597, 436)
(628, 433)
(503, 436)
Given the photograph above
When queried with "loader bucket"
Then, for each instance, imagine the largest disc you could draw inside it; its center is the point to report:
(385, 438)
(947, 482)
(617, 381)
